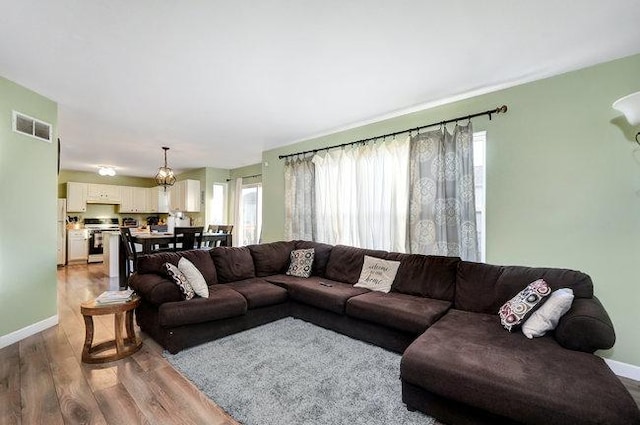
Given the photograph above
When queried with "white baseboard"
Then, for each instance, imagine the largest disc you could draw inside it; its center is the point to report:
(624, 369)
(20, 334)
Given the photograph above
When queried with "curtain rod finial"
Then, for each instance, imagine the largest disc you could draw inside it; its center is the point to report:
(501, 109)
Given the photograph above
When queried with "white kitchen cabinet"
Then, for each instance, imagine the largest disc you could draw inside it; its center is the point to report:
(157, 200)
(76, 197)
(77, 245)
(103, 194)
(133, 199)
(185, 196)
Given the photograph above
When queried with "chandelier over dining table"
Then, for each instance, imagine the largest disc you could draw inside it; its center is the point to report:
(165, 176)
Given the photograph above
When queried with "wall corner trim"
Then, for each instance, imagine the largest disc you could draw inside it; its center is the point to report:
(624, 369)
(20, 334)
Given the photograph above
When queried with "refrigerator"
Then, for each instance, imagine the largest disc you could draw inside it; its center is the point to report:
(61, 229)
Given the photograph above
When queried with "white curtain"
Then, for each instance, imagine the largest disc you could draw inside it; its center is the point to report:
(361, 195)
(442, 197)
(239, 230)
(299, 189)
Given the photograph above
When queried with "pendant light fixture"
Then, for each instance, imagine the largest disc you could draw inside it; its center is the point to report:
(165, 176)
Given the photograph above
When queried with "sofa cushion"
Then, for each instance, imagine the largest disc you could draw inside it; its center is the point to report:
(425, 275)
(321, 253)
(469, 358)
(259, 292)
(407, 313)
(154, 263)
(345, 262)
(483, 288)
(311, 291)
(223, 303)
(301, 262)
(156, 289)
(284, 280)
(585, 327)
(233, 263)
(271, 258)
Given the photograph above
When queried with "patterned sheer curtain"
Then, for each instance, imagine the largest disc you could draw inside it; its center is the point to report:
(299, 188)
(362, 195)
(442, 197)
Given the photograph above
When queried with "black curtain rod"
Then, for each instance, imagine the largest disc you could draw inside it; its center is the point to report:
(246, 177)
(499, 110)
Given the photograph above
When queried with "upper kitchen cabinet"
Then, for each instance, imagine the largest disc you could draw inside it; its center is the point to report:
(76, 197)
(157, 200)
(103, 194)
(133, 199)
(185, 196)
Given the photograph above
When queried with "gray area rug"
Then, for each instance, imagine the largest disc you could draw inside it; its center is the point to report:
(291, 372)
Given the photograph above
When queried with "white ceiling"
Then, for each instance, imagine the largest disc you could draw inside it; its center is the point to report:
(221, 81)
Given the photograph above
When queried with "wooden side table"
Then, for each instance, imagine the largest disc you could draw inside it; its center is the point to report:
(123, 318)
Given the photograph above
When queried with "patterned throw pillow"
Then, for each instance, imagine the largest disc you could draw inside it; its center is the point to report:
(180, 280)
(301, 262)
(515, 311)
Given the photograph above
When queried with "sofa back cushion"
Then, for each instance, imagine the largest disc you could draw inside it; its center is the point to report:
(154, 263)
(320, 256)
(483, 288)
(271, 258)
(428, 276)
(345, 262)
(232, 263)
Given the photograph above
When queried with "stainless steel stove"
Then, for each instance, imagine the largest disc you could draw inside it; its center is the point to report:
(96, 226)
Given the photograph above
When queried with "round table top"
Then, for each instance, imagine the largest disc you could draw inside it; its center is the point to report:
(91, 308)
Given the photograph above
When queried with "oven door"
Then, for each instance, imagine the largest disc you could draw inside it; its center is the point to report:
(95, 242)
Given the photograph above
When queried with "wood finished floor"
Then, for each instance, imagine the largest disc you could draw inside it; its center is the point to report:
(43, 381)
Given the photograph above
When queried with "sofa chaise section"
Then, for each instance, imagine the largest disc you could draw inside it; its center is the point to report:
(468, 359)
(466, 368)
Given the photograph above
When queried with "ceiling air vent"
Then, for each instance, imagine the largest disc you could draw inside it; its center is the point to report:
(29, 126)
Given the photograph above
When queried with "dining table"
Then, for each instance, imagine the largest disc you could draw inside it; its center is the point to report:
(150, 239)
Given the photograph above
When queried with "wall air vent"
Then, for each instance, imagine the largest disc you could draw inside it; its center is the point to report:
(29, 126)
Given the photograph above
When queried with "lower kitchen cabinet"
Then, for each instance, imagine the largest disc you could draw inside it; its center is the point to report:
(77, 245)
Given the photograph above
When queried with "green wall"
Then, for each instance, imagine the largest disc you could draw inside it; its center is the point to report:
(563, 182)
(28, 169)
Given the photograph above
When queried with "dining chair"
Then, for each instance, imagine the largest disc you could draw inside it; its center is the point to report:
(160, 228)
(131, 254)
(185, 238)
(213, 228)
(225, 228)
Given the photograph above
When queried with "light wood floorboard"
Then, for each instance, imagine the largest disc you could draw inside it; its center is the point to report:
(43, 381)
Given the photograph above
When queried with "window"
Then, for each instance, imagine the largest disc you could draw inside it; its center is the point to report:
(250, 214)
(479, 166)
(218, 204)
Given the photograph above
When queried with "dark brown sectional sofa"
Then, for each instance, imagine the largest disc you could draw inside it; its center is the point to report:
(458, 365)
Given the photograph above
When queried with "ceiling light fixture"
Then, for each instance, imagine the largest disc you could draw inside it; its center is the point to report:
(165, 176)
(630, 107)
(106, 171)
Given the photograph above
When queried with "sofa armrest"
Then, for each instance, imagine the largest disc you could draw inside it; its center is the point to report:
(586, 327)
(154, 288)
